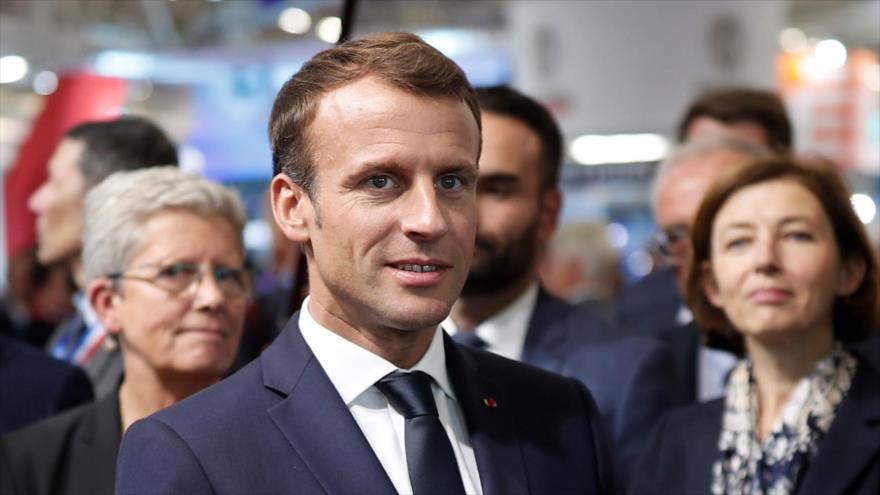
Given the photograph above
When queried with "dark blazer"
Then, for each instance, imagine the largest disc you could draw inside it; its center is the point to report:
(279, 426)
(649, 304)
(34, 385)
(629, 376)
(73, 453)
(684, 342)
(684, 447)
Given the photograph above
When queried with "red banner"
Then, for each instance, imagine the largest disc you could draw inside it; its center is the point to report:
(79, 98)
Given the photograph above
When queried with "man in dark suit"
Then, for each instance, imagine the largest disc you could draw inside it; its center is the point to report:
(34, 386)
(375, 144)
(504, 309)
(88, 153)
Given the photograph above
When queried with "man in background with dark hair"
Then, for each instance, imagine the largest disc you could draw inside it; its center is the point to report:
(86, 155)
(504, 309)
(755, 116)
(751, 115)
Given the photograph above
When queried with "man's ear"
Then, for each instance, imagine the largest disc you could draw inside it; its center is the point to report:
(292, 208)
(105, 300)
(849, 278)
(710, 286)
(551, 203)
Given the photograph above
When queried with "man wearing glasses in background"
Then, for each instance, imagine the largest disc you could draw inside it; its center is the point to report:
(680, 184)
(751, 115)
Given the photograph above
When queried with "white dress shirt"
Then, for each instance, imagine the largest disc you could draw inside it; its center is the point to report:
(713, 365)
(353, 371)
(505, 333)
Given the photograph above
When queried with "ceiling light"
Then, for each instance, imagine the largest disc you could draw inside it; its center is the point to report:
(45, 82)
(831, 54)
(618, 148)
(329, 29)
(294, 20)
(792, 40)
(864, 206)
(12, 68)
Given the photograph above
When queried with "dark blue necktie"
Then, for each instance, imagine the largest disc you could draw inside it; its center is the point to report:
(429, 456)
(470, 339)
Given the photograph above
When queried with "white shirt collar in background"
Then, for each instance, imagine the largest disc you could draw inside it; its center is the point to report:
(505, 333)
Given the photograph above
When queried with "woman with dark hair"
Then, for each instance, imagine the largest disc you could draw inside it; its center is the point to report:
(782, 273)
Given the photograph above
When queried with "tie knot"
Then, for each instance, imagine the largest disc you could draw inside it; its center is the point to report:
(409, 393)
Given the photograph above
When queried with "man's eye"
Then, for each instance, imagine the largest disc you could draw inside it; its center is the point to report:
(380, 182)
(450, 182)
(178, 270)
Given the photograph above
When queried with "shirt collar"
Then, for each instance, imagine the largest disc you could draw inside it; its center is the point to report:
(90, 318)
(353, 370)
(505, 332)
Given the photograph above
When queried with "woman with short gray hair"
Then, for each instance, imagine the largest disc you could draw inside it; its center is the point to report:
(163, 259)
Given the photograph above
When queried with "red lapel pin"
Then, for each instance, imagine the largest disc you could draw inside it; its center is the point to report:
(490, 402)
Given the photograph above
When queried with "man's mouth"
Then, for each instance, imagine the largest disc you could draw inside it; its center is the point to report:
(417, 268)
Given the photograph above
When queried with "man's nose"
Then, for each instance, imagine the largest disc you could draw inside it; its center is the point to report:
(37, 200)
(424, 217)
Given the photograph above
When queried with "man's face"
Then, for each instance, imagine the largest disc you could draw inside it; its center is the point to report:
(58, 204)
(392, 226)
(514, 222)
(744, 130)
(679, 194)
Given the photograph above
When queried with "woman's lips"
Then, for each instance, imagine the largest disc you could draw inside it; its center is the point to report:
(770, 296)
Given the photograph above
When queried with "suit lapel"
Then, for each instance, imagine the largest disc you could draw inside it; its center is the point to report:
(853, 439)
(315, 421)
(491, 429)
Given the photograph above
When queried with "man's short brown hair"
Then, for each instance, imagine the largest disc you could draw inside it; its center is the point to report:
(732, 105)
(854, 316)
(402, 60)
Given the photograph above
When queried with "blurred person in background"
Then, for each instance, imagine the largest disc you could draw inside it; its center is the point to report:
(39, 298)
(679, 186)
(34, 385)
(86, 155)
(582, 267)
(783, 274)
(163, 266)
(504, 309)
(274, 289)
(746, 114)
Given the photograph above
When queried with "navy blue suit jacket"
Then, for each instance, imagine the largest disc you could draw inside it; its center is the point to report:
(279, 426)
(631, 377)
(651, 303)
(684, 446)
(34, 385)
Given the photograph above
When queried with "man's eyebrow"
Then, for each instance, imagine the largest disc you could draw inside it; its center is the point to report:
(501, 177)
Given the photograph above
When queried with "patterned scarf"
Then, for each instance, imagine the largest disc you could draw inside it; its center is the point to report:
(749, 467)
